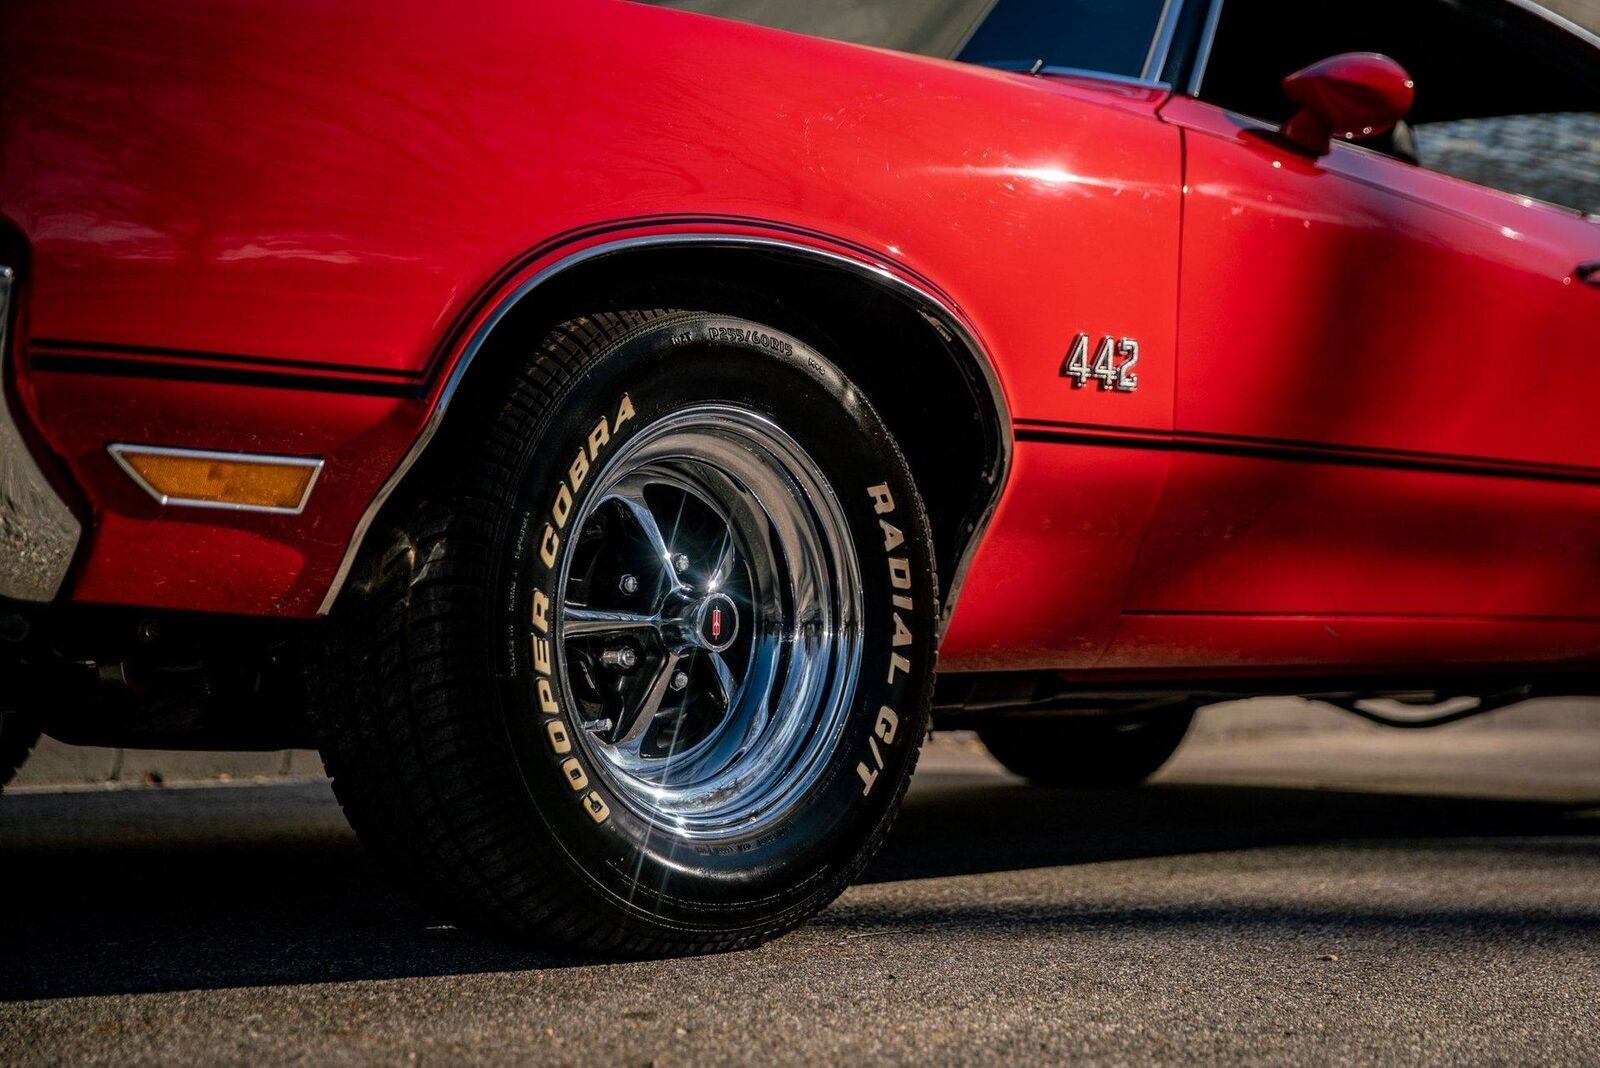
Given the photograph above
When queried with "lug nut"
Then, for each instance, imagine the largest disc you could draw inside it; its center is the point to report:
(680, 563)
(628, 584)
(679, 680)
(622, 658)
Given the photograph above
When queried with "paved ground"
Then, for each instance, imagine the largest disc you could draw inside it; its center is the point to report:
(1297, 887)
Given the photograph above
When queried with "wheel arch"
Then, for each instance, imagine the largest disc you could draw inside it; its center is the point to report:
(936, 388)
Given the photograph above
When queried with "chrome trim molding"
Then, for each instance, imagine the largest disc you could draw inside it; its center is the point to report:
(1559, 20)
(38, 532)
(1037, 67)
(932, 308)
(1103, 76)
(1161, 43)
(119, 449)
(972, 31)
(1202, 54)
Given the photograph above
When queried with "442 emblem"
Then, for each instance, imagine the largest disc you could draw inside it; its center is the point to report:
(1105, 368)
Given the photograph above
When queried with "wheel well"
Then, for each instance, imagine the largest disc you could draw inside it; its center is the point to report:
(910, 357)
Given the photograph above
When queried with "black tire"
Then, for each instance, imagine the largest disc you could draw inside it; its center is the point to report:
(18, 735)
(442, 715)
(1084, 751)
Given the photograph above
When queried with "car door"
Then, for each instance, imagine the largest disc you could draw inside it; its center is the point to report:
(1387, 377)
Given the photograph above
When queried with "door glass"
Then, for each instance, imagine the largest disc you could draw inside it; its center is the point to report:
(1554, 158)
(1505, 97)
(1113, 36)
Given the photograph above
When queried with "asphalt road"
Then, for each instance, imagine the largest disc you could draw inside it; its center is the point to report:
(1304, 890)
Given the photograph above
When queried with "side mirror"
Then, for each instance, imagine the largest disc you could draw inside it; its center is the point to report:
(1354, 95)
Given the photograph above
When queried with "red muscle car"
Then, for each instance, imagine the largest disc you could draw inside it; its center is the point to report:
(588, 421)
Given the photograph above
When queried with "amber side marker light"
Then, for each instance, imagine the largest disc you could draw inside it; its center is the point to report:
(236, 480)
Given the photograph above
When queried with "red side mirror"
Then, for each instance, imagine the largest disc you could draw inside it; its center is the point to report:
(1354, 95)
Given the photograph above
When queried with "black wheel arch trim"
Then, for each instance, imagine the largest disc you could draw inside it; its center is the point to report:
(929, 301)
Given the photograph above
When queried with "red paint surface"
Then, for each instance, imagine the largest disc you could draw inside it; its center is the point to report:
(1361, 301)
(139, 552)
(1047, 586)
(337, 187)
(1273, 536)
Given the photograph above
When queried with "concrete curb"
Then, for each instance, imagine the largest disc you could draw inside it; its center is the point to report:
(55, 765)
(58, 766)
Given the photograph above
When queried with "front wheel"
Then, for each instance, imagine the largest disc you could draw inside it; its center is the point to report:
(647, 671)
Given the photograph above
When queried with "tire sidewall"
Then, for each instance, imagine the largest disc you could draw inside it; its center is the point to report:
(744, 879)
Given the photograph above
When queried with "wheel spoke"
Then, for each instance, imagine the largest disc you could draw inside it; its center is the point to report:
(631, 496)
(580, 622)
(723, 569)
(723, 676)
(636, 721)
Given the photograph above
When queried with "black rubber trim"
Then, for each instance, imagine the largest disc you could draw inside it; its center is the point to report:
(124, 367)
(491, 291)
(64, 346)
(1295, 451)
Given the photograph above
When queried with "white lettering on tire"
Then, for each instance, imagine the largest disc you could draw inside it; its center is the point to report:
(887, 726)
(557, 731)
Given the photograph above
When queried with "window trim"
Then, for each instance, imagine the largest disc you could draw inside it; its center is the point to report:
(1018, 67)
(972, 31)
(1202, 56)
(1559, 21)
(1161, 44)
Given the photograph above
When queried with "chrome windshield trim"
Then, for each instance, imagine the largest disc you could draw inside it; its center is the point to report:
(38, 532)
(1035, 68)
(1161, 44)
(1102, 76)
(1202, 53)
(935, 309)
(972, 31)
(1558, 20)
(119, 451)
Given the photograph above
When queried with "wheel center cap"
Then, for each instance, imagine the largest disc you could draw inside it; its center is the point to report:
(716, 622)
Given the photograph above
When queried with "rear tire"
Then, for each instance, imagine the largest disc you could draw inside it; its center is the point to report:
(1085, 751)
(18, 735)
(646, 671)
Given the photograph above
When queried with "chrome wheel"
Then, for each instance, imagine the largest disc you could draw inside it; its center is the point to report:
(709, 621)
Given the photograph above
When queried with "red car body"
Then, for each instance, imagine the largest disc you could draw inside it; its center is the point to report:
(1363, 438)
